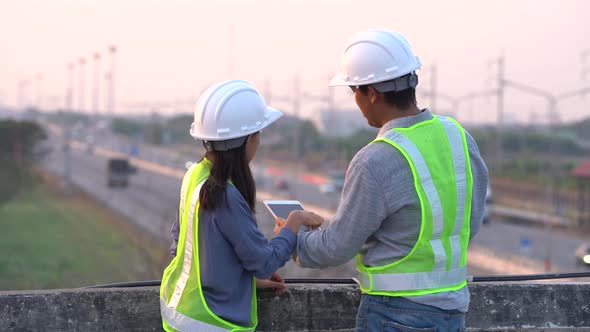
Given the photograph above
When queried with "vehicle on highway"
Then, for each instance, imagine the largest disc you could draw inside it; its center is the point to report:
(327, 188)
(89, 144)
(282, 185)
(134, 150)
(583, 254)
(259, 180)
(489, 201)
(334, 183)
(118, 172)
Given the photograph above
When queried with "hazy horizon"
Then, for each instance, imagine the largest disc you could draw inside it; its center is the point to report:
(168, 51)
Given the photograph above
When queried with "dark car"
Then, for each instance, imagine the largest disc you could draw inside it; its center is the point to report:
(118, 172)
(583, 254)
(334, 182)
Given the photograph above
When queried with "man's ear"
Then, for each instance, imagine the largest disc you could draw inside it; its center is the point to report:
(374, 95)
(249, 138)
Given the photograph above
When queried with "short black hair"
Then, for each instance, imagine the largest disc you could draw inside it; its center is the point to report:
(401, 99)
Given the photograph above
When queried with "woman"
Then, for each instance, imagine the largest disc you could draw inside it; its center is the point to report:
(222, 257)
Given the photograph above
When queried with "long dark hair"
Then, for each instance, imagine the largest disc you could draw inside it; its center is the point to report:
(228, 165)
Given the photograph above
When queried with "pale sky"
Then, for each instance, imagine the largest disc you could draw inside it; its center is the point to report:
(168, 51)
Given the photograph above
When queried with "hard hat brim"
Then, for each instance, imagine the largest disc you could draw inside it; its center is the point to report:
(273, 115)
(338, 81)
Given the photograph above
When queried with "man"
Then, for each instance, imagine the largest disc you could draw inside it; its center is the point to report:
(411, 200)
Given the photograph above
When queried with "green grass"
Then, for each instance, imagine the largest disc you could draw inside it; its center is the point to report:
(51, 240)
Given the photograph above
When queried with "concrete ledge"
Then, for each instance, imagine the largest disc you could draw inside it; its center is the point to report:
(494, 307)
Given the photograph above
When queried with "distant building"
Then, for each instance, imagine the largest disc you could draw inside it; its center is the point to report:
(339, 122)
(6, 113)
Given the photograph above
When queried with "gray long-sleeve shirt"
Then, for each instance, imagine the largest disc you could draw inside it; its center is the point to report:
(379, 213)
(232, 251)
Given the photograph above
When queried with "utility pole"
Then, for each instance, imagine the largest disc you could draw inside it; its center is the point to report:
(298, 149)
(231, 51)
(25, 94)
(81, 94)
(331, 101)
(107, 87)
(19, 95)
(38, 91)
(532, 119)
(499, 155)
(267, 92)
(584, 55)
(296, 109)
(433, 87)
(268, 98)
(552, 193)
(69, 87)
(96, 90)
(66, 128)
(585, 71)
(111, 101)
(338, 155)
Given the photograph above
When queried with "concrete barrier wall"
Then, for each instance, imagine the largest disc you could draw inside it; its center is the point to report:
(494, 307)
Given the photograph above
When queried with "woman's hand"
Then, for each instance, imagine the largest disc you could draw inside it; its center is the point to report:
(279, 224)
(275, 281)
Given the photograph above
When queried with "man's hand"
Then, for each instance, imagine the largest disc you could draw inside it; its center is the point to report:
(275, 281)
(306, 218)
(297, 218)
(311, 220)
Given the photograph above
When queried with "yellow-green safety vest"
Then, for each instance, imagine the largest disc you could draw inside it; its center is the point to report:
(437, 153)
(182, 303)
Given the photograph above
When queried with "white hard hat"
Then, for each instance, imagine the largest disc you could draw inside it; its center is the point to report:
(375, 56)
(230, 110)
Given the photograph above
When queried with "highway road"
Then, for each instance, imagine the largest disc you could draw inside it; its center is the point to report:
(152, 197)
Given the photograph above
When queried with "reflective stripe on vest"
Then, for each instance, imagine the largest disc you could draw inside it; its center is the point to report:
(459, 161)
(395, 281)
(188, 250)
(412, 281)
(181, 322)
(184, 191)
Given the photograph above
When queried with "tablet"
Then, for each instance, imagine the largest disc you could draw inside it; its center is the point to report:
(282, 208)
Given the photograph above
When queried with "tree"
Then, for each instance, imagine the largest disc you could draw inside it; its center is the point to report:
(17, 153)
(126, 127)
